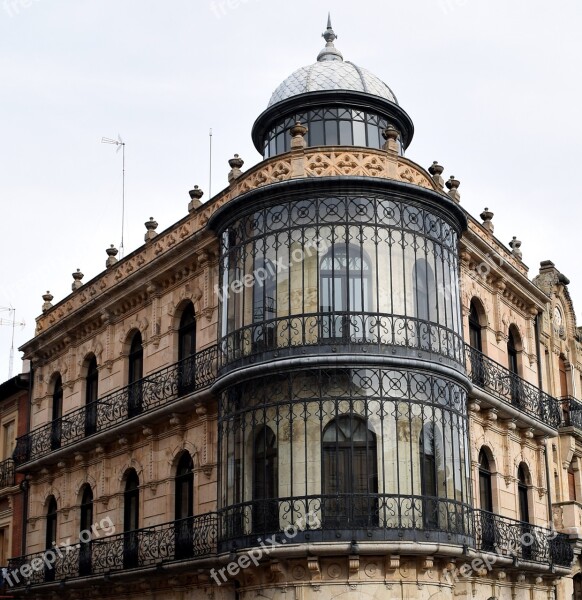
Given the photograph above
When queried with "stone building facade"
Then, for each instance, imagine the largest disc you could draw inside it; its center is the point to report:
(329, 380)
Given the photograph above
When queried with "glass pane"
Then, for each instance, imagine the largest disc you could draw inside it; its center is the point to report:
(359, 133)
(373, 136)
(331, 135)
(345, 128)
(316, 133)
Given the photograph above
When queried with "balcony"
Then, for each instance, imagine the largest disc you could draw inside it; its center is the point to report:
(141, 397)
(201, 538)
(503, 384)
(572, 412)
(7, 478)
(521, 541)
(188, 539)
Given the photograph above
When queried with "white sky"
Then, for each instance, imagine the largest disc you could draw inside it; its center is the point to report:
(493, 88)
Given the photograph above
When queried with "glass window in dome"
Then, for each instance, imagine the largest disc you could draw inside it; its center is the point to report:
(359, 133)
(316, 134)
(345, 128)
(331, 134)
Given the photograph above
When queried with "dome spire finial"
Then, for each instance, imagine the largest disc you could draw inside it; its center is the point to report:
(330, 52)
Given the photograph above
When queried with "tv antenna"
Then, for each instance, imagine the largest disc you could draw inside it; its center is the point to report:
(120, 146)
(12, 323)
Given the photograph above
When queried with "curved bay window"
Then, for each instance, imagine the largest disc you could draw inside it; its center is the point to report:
(187, 350)
(135, 389)
(347, 269)
(344, 445)
(342, 126)
(91, 395)
(486, 503)
(131, 520)
(265, 479)
(57, 413)
(50, 534)
(184, 506)
(85, 531)
(349, 474)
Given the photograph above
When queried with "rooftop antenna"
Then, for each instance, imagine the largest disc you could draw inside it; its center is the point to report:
(210, 174)
(120, 146)
(12, 323)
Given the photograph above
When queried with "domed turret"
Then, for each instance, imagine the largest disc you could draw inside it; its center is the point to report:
(340, 103)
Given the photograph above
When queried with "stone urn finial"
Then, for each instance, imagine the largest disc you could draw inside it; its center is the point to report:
(453, 187)
(77, 283)
(47, 301)
(195, 196)
(298, 133)
(151, 232)
(436, 171)
(391, 135)
(487, 217)
(515, 246)
(236, 164)
(111, 254)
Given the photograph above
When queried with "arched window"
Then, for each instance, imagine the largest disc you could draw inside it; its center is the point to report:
(350, 474)
(131, 520)
(432, 471)
(51, 534)
(91, 394)
(57, 413)
(475, 328)
(425, 290)
(264, 305)
(345, 287)
(187, 351)
(563, 377)
(572, 495)
(486, 503)
(522, 492)
(184, 506)
(135, 376)
(265, 482)
(515, 382)
(85, 532)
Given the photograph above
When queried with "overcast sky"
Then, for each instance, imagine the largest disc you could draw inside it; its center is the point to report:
(493, 87)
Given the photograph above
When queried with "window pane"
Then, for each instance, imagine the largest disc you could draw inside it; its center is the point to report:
(316, 133)
(346, 133)
(373, 139)
(331, 136)
(359, 133)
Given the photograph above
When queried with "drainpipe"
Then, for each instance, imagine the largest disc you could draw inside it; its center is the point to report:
(540, 382)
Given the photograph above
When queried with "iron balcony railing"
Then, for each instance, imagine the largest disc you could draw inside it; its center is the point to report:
(506, 385)
(7, 477)
(200, 537)
(191, 538)
(571, 411)
(520, 540)
(160, 388)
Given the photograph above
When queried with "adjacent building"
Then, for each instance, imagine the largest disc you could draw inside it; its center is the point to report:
(329, 380)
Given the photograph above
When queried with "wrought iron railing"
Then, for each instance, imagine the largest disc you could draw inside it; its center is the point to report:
(200, 537)
(506, 385)
(7, 477)
(189, 375)
(191, 538)
(335, 328)
(571, 411)
(504, 536)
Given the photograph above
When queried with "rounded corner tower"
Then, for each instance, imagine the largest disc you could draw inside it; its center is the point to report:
(343, 391)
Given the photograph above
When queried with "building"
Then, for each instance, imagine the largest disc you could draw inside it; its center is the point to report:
(328, 380)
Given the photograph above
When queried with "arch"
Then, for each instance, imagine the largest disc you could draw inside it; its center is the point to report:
(349, 473)
(135, 375)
